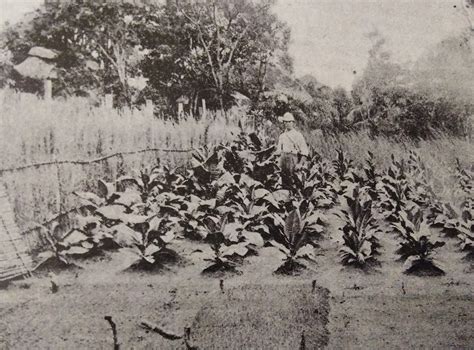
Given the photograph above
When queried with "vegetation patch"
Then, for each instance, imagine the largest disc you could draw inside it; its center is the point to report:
(281, 316)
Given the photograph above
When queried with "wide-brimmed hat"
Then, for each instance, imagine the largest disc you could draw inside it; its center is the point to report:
(287, 117)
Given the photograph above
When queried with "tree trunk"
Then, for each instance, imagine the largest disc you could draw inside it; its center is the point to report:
(221, 103)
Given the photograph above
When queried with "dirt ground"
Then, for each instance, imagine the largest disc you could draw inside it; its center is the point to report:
(349, 309)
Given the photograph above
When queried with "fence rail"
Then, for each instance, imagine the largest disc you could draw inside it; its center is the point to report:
(91, 161)
(61, 213)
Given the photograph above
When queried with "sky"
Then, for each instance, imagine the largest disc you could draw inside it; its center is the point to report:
(329, 37)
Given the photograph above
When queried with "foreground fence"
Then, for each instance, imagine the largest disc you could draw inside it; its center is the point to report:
(42, 192)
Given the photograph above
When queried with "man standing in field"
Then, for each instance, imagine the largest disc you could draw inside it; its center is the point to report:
(292, 148)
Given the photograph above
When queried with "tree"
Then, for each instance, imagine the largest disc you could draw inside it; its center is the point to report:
(379, 76)
(343, 104)
(436, 93)
(198, 49)
(232, 39)
(97, 44)
(6, 67)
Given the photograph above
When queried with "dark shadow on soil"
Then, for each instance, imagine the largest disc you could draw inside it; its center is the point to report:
(163, 260)
(290, 268)
(425, 268)
(56, 266)
(370, 267)
(220, 270)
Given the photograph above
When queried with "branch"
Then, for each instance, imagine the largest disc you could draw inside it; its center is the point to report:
(108, 56)
(209, 57)
(218, 36)
(236, 43)
(114, 331)
(203, 43)
(242, 34)
(164, 333)
(469, 12)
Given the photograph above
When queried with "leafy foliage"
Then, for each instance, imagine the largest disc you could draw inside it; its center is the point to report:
(393, 190)
(225, 202)
(359, 231)
(144, 240)
(394, 100)
(228, 242)
(75, 243)
(292, 238)
(160, 52)
(458, 220)
(371, 177)
(418, 246)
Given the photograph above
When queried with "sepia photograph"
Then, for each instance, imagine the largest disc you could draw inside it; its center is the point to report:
(236, 174)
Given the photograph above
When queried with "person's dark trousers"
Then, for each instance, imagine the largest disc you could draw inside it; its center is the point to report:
(288, 163)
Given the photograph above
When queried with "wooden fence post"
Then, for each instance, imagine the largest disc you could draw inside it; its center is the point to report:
(48, 90)
(204, 112)
(109, 101)
(59, 187)
(149, 108)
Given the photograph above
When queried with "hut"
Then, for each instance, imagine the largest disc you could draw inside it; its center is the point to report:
(39, 65)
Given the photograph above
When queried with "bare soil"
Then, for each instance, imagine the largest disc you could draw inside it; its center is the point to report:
(379, 308)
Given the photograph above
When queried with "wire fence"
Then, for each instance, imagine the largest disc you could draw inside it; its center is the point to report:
(31, 222)
(97, 160)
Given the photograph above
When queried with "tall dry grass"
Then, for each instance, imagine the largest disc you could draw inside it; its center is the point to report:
(438, 155)
(34, 131)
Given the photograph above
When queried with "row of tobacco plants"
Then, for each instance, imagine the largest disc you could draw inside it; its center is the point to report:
(232, 199)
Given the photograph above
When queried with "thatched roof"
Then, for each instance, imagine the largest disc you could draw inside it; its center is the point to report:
(43, 52)
(183, 99)
(36, 68)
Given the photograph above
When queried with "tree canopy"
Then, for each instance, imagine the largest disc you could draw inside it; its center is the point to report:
(201, 49)
(188, 50)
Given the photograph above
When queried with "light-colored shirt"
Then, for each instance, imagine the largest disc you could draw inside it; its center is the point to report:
(292, 141)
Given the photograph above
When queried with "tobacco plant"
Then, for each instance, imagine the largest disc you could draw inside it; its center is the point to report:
(458, 220)
(207, 166)
(150, 182)
(248, 155)
(74, 244)
(394, 190)
(145, 241)
(292, 238)
(322, 180)
(420, 188)
(359, 232)
(342, 165)
(465, 178)
(418, 246)
(346, 175)
(192, 215)
(107, 194)
(371, 177)
(228, 241)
